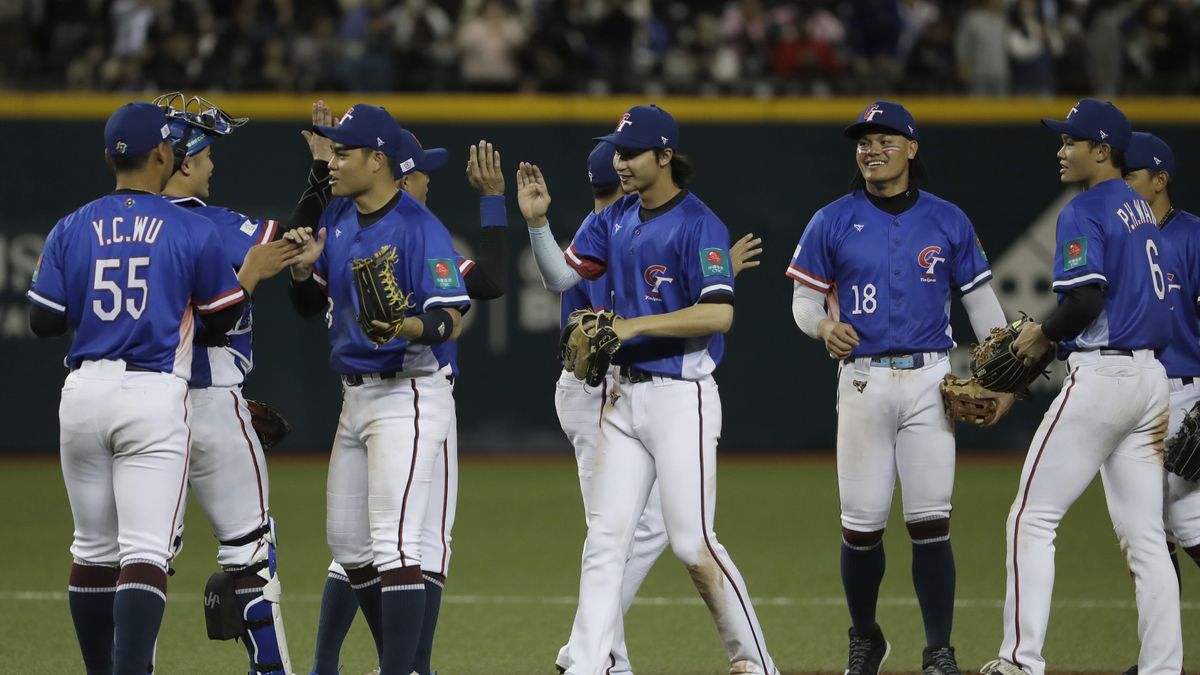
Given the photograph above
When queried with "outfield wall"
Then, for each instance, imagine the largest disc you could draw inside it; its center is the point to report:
(762, 166)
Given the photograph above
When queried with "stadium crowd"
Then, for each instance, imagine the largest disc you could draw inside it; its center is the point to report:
(757, 47)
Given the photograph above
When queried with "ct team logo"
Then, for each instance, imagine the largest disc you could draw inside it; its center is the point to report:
(871, 113)
(624, 122)
(928, 259)
(655, 279)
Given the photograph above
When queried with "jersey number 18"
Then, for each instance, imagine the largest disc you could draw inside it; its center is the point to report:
(864, 300)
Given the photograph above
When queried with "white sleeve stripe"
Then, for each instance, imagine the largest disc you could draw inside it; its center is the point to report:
(465, 265)
(810, 280)
(441, 300)
(268, 231)
(1068, 283)
(714, 288)
(229, 298)
(987, 274)
(570, 252)
(320, 279)
(45, 302)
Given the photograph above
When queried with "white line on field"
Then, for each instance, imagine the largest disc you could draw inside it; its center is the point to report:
(651, 601)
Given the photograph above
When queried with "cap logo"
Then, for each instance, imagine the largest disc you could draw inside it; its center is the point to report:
(1103, 135)
(166, 130)
(379, 141)
(625, 122)
(1157, 161)
(911, 130)
(1074, 109)
(590, 176)
(664, 139)
(348, 116)
(121, 147)
(407, 165)
(871, 113)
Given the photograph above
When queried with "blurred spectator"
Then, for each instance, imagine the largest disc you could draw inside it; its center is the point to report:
(758, 47)
(489, 44)
(981, 47)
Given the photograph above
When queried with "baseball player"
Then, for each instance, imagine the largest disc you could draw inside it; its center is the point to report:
(397, 404)
(667, 261)
(1149, 168)
(579, 411)
(484, 278)
(1113, 316)
(227, 468)
(126, 272)
(884, 259)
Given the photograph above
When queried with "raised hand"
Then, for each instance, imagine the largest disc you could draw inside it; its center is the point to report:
(532, 194)
(320, 147)
(483, 169)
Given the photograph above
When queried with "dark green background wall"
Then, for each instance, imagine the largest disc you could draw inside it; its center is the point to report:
(777, 385)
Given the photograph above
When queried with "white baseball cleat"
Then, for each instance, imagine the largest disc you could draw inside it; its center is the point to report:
(1001, 667)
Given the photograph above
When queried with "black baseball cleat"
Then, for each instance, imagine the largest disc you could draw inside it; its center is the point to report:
(867, 652)
(1132, 670)
(939, 661)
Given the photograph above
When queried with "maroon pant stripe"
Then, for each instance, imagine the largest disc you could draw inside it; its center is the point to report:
(603, 398)
(704, 528)
(411, 468)
(187, 456)
(1021, 511)
(262, 502)
(445, 499)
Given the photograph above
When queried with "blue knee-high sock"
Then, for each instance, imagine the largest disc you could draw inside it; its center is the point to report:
(862, 572)
(403, 592)
(365, 582)
(137, 614)
(934, 579)
(434, 583)
(338, 607)
(90, 594)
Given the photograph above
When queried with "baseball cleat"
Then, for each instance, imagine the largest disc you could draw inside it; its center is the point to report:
(867, 652)
(939, 661)
(1132, 670)
(1001, 667)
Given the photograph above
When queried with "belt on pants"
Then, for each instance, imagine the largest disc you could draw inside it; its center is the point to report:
(634, 375)
(1116, 352)
(903, 361)
(356, 379)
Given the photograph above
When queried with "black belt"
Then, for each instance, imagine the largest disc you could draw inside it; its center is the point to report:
(634, 375)
(130, 368)
(356, 379)
(1186, 381)
(1115, 352)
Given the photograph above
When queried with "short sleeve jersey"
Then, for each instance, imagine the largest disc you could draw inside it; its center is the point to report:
(127, 271)
(1108, 235)
(1181, 261)
(428, 267)
(228, 366)
(890, 276)
(667, 263)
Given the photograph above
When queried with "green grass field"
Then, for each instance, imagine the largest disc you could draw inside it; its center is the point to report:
(514, 577)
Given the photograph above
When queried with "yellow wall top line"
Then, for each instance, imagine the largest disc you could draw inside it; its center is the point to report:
(522, 109)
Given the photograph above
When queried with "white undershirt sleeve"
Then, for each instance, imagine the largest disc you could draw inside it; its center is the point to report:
(984, 311)
(557, 275)
(808, 308)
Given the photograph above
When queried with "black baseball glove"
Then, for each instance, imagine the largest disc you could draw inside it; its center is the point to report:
(379, 296)
(587, 344)
(1182, 454)
(997, 367)
(269, 425)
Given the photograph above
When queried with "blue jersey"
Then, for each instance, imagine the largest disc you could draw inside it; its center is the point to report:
(586, 294)
(228, 366)
(1109, 235)
(449, 350)
(665, 264)
(127, 271)
(428, 267)
(1181, 260)
(890, 276)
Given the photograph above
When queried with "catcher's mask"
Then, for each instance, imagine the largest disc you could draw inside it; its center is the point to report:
(194, 123)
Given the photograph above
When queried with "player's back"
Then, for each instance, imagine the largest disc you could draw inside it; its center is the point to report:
(1108, 234)
(1181, 260)
(124, 269)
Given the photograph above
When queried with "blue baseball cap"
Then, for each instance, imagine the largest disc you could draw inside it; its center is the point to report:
(1147, 151)
(197, 139)
(366, 126)
(600, 164)
(644, 127)
(412, 157)
(1094, 120)
(884, 115)
(135, 129)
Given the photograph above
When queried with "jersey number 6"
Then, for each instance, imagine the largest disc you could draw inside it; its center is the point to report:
(1156, 273)
(133, 282)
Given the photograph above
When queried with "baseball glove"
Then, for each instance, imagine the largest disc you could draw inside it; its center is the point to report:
(268, 424)
(588, 343)
(1182, 454)
(966, 401)
(997, 367)
(379, 296)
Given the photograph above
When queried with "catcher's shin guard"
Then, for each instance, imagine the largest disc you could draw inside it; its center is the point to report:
(263, 620)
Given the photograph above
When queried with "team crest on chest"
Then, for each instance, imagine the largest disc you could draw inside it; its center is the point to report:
(655, 279)
(928, 259)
